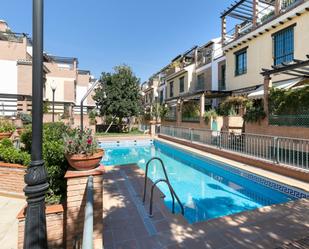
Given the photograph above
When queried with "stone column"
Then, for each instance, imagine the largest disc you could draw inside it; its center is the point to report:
(267, 85)
(202, 108)
(75, 207)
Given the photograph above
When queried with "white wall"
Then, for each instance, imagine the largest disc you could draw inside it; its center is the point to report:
(8, 85)
(80, 93)
(8, 77)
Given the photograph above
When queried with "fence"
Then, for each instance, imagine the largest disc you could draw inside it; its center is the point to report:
(290, 120)
(280, 150)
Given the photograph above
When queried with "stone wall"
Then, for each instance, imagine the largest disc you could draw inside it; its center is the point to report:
(12, 179)
(54, 227)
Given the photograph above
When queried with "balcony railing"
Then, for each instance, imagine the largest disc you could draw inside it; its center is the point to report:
(280, 150)
(190, 119)
(12, 37)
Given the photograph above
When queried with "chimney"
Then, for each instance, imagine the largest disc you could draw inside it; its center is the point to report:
(3, 26)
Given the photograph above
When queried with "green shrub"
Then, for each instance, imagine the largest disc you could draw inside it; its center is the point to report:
(228, 107)
(13, 155)
(6, 126)
(53, 155)
(212, 113)
(6, 142)
(290, 101)
(254, 111)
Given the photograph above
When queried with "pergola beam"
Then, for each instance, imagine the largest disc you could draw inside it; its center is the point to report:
(284, 67)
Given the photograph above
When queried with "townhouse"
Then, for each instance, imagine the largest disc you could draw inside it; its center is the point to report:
(268, 47)
(267, 34)
(193, 82)
(60, 73)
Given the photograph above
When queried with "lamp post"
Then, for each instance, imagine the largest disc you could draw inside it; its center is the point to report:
(36, 178)
(53, 87)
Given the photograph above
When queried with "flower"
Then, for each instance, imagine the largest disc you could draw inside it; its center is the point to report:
(89, 141)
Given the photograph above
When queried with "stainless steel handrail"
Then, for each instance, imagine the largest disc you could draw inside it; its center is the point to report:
(173, 194)
(88, 222)
(166, 180)
(146, 174)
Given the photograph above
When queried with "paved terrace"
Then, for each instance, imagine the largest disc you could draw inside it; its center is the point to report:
(127, 225)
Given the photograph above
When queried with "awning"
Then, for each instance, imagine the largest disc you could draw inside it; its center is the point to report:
(284, 84)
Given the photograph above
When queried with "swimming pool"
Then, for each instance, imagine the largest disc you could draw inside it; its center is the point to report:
(208, 189)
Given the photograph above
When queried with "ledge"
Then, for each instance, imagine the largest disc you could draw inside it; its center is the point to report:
(52, 209)
(74, 173)
(12, 165)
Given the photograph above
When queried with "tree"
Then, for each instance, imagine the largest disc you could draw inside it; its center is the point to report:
(118, 94)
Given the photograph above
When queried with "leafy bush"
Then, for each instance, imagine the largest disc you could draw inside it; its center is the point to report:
(13, 155)
(6, 142)
(228, 107)
(190, 110)
(80, 142)
(6, 126)
(53, 155)
(254, 112)
(210, 114)
(289, 102)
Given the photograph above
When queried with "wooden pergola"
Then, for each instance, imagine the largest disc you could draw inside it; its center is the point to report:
(296, 68)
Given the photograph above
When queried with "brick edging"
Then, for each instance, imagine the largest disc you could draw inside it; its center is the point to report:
(280, 169)
(12, 165)
(50, 209)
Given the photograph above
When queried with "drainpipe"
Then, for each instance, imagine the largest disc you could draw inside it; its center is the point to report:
(82, 104)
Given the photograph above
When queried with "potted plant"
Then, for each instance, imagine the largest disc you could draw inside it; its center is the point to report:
(6, 129)
(82, 150)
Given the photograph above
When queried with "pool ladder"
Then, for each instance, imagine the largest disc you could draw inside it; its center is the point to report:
(166, 180)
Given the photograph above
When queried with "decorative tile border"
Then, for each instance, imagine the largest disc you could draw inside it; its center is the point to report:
(288, 190)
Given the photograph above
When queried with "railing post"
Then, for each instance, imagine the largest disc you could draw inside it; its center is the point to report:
(191, 134)
(276, 150)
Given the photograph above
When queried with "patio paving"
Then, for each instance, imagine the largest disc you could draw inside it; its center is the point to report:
(127, 224)
(9, 208)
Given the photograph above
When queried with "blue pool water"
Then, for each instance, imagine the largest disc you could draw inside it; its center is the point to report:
(208, 189)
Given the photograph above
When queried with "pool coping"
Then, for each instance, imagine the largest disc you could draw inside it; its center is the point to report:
(267, 227)
(285, 180)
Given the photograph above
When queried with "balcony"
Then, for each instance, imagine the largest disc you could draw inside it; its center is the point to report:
(12, 37)
(249, 17)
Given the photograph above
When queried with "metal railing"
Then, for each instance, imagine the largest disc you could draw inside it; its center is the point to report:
(88, 222)
(166, 180)
(280, 150)
(190, 119)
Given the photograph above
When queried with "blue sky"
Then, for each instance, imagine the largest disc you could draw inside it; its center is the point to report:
(145, 34)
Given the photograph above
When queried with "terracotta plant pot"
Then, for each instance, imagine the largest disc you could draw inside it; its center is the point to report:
(5, 135)
(85, 162)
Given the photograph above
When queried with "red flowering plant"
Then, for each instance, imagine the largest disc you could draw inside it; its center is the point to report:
(77, 141)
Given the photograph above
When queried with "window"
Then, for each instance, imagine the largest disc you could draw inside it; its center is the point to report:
(182, 84)
(171, 89)
(200, 81)
(283, 44)
(161, 96)
(241, 62)
(222, 81)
